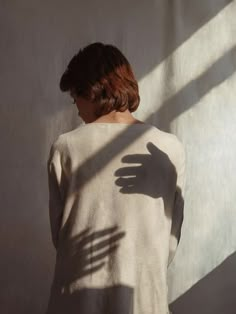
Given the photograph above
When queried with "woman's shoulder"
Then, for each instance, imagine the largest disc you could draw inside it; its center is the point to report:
(153, 133)
(168, 142)
(64, 137)
(163, 136)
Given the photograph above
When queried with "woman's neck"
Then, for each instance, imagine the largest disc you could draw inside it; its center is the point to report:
(117, 117)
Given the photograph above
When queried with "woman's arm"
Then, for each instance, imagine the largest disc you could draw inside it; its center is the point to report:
(54, 169)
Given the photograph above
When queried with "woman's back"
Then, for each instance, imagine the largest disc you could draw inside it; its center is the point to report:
(112, 200)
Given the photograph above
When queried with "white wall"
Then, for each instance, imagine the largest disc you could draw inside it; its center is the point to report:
(184, 56)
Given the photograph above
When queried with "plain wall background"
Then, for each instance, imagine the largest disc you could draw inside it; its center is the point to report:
(183, 54)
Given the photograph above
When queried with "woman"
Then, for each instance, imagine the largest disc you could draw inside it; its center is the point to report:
(115, 201)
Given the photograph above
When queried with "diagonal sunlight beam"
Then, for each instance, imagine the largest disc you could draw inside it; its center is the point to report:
(191, 59)
(178, 22)
(218, 73)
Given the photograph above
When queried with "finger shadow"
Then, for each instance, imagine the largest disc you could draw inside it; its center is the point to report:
(85, 253)
(152, 174)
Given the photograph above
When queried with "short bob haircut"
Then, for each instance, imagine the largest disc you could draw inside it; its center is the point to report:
(100, 73)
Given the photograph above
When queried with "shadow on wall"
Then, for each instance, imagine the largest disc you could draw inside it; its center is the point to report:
(161, 27)
(191, 94)
(214, 294)
(151, 27)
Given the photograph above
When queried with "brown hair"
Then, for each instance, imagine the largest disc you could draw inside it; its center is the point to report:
(102, 74)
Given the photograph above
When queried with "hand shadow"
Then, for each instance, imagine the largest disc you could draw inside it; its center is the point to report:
(85, 253)
(155, 175)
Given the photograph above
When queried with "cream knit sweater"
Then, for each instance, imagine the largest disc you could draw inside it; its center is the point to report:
(116, 210)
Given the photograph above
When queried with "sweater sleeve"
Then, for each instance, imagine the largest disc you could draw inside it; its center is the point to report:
(178, 208)
(56, 204)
